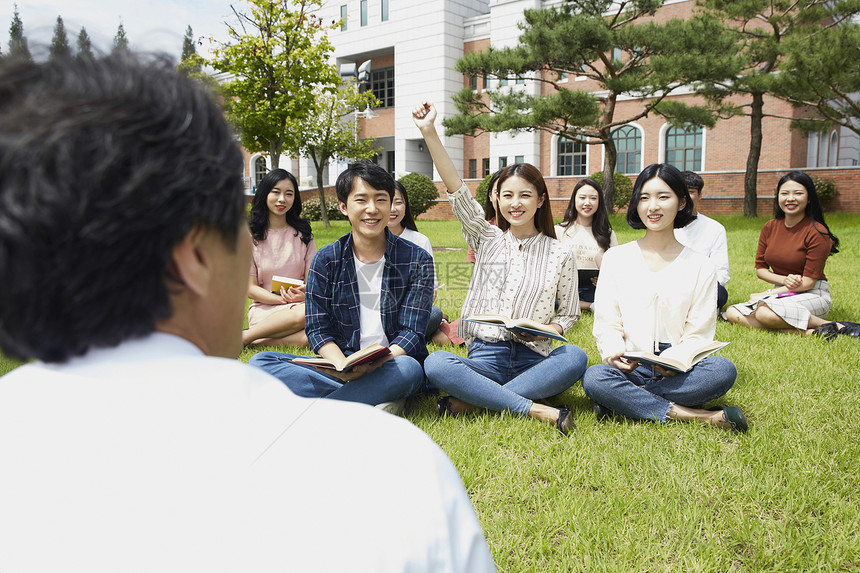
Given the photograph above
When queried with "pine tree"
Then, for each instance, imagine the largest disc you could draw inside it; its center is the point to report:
(60, 47)
(85, 46)
(120, 41)
(17, 41)
(188, 47)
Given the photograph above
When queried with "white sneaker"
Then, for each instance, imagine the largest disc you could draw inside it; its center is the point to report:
(395, 407)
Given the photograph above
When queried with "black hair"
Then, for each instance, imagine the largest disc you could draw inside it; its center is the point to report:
(489, 210)
(532, 175)
(669, 175)
(408, 221)
(371, 173)
(693, 181)
(106, 163)
(600, 227)
(813, 205)
(259, 219)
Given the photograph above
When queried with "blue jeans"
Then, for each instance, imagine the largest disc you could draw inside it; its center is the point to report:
(433, 322)
(505, 375)
(398, 378)
(645, 395)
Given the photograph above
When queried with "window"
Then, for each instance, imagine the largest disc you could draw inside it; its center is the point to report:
(519, 159)
(562, 76)
(485, 163)
(833, 152)
(473, 169)
(503, 82)
(503, 162)
(259, 170)
(616, 54)
(628, 143)
(473, 83)
(389, 160)
(363, 6)
(520, 79)
(382, 86)
(343, 17)
(385, 10)
(684, 148)
(571, 157)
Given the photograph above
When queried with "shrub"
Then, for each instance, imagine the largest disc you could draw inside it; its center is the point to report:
(311, 209)
(623, 187)
(826, 189)
(481, 190)
(422, 192)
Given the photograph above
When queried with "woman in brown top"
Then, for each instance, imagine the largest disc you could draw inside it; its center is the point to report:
(792, 250)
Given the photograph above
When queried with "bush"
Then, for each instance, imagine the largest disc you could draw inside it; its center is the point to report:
(481, 190)
(826, 189)
(311, 209)
(422, 192)
(623, 187)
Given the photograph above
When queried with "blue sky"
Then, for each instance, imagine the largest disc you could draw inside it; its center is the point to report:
(150, 25)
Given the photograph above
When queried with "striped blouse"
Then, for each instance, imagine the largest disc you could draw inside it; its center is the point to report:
(519, 279)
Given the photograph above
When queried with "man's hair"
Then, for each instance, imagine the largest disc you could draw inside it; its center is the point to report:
(105, 165)
(693, 181)
(373, 175)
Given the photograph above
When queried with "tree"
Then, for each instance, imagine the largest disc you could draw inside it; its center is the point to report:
(17, 41)
(120, 41)
(191, 63)
(279, 58)
(189, 49)
(615, 43)
(327, 132)
(85, 46)
(422, 192)
(763, 29)
(60, 47)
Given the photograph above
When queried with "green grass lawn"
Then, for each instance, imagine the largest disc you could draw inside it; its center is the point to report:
(623, 495)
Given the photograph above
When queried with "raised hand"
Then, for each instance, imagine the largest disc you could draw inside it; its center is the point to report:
(424, 115)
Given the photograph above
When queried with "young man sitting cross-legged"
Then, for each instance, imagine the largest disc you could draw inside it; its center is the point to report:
(368, 287)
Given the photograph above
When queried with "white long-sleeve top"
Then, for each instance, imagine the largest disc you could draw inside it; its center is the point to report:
(519, 279)
(635, 308)
(708, 237)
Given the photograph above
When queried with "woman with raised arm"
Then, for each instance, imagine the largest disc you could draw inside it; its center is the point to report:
(283, 246)
(520, 272)
(656, 295)
(586, 229)
(793, 248)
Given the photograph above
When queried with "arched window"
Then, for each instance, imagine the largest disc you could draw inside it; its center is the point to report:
(571, 157)
(684, 148)
(628, 144)
(833, 152)
(259, 170)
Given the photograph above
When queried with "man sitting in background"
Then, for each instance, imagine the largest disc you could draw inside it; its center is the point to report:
(135, 441)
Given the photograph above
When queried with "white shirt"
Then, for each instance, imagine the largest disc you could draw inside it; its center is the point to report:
(369, 279)
(519, 279)
(708, 237)
(153, 457)
(588, 253)
(423, 242)
(635, 308)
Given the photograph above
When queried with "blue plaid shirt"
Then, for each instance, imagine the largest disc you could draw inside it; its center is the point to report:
(332, 303)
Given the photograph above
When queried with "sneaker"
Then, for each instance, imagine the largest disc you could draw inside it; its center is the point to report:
(395, 408)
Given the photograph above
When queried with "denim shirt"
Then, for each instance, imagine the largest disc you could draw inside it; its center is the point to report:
(332, 302)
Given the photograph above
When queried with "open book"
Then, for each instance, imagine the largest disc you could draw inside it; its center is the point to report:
(585, 275)
(517, 325)
(367, 354)
(286, 282)
(677, 365)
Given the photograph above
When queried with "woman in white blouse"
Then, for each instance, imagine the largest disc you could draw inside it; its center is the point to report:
(520, 271)
(655, 295)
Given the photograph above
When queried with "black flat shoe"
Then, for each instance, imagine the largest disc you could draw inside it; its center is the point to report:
(827, 331)
(564, 422)
(734, 416)
(851, 329)
(600, 412)
(443, 407)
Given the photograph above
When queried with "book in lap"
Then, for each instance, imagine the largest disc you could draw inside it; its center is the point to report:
(677, 365)
(517, 325)
(585, 275)
(367, 354)
(286, 282)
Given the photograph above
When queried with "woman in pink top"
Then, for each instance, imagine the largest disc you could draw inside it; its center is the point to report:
(284, 246)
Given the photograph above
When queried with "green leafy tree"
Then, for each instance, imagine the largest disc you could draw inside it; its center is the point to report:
(60, 47)
(85, 45)
(17, 42)
(763, 31)
(278, 56)
(616, 44)
(120, 41)
(191, 63)
(328, 132)
(422, 192)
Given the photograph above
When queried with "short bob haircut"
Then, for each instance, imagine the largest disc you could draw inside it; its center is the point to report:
(532, 175)
(670, 175)
(106, 164)
(408, 220)
(259, 219)
(813, 204)
(373, 175)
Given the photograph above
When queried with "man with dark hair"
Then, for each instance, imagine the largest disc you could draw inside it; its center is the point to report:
(369, 287)
(134, 440)
(706, 236)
